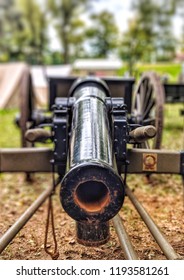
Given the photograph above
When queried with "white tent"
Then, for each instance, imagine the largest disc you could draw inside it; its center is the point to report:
(10, 81)
(11, 77)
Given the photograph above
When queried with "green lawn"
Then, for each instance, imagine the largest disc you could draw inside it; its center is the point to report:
(9, 132)
(173, 133)
(172, 70)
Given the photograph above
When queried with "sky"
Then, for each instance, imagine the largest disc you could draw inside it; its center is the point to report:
(121, 9)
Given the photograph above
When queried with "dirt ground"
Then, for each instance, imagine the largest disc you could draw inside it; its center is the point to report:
(162, 197)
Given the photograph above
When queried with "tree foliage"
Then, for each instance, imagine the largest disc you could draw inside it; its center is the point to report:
(23, 29)
(165, 42)
(10, 31)
(178, 8)
(69, 26)
(149, 37)
(35, 30)
(103, 36)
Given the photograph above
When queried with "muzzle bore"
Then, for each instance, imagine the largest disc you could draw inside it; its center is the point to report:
(92, 196)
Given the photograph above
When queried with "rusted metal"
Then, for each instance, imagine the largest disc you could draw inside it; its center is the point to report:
(23, 219)
(124, 239)
(153, 228)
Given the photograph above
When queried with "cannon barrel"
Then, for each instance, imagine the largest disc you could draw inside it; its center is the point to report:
(92, 192)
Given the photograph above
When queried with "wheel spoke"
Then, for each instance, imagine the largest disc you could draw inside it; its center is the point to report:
(149, 121)
(143, 92)
(149, 99)
(138, 102)
(142, 96)
(150, 106)
(148, 96)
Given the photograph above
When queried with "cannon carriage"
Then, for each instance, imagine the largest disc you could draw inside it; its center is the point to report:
(90, 121)
(148, 87)
(146, 99)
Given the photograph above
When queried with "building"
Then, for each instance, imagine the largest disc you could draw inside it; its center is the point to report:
(98, 67)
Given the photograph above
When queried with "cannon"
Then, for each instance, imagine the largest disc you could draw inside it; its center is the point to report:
(89, 153)
(92, 191)
(90, 128)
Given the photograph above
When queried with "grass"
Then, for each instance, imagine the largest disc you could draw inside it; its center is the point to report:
(171, 70)
(9, 132)
(173, 133)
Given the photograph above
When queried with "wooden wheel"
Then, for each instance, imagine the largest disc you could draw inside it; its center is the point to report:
(26, 110)
(148, 106)
(26, 105)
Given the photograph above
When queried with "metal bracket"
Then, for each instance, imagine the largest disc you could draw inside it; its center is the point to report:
(120, 130)
(61, 129)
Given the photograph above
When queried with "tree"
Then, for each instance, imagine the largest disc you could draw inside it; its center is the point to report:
(146, 11)
(132, 48)
(103, 36)
(35, 30)
(178, 8)
(23, 27)
(69, 26)
(165, 41)
(150, 36)
(10, 31)
(138, 42)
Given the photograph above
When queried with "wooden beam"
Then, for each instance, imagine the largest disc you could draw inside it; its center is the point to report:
(140, 160)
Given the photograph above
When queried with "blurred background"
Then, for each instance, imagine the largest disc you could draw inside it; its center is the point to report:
(54, 32)
(76, 37)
